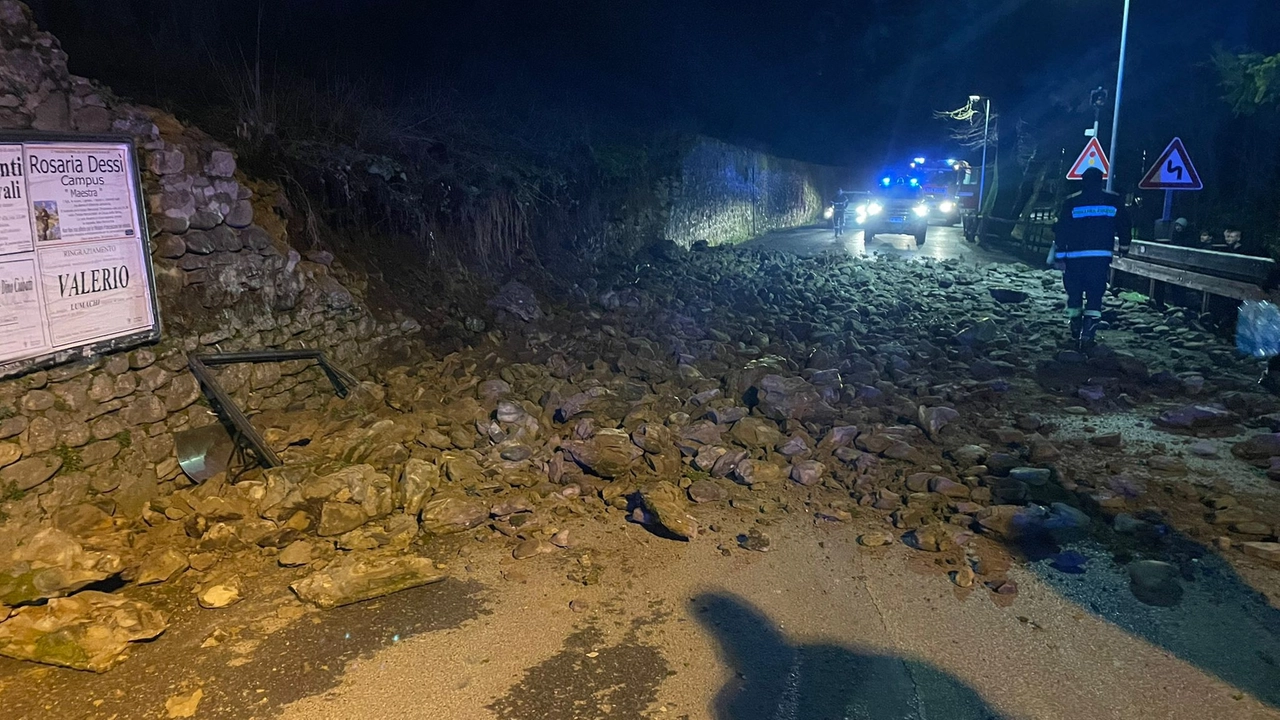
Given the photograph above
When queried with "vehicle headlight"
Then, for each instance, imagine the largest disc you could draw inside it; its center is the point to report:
(947, 206)
(874, 208)
(921, 210)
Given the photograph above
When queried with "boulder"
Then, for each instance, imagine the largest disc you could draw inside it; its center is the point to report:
(841, 436)
(728, 462)
(337, 518)
(666, 504)
(162, 566)
(1190, 417)
(1008, 296)
(1155, 583)
(934, 537)
(653, 438)
(706, 457)
(1268, 551)
(808, 472)
(875, 538)
(608, 453)
(1167, 465)
(446, 514)
(52, 564)
(1031, 476)
(184, 705)
(969, 455)
(751, 432)
(359, 484)
(530, 548)
(752, 472)
(1258, 449)
(706, 491)
(220, 593)
(296, 553)
(356, 579)
(791, 398)
(418, 480)
(88, 631)
(933, 419)
(948, 487)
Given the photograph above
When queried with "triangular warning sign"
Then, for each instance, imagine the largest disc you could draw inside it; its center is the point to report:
(1173, 171)
(1092, 157)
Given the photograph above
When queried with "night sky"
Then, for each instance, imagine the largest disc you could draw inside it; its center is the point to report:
(832, 82)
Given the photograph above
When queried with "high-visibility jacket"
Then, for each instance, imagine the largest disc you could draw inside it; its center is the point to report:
(1089, 223)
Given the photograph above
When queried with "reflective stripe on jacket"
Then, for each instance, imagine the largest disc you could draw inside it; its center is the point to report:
(1083, 254)
(1089, 223)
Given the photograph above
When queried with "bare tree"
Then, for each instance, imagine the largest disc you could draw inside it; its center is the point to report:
(970, 128)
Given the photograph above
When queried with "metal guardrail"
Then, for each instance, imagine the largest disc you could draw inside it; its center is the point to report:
(1209, 272)
(1244, 268)
(342, 381)
(1200, 282)
(1239, 277)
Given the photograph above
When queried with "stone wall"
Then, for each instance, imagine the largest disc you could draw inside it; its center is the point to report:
(726, 194)
(102, 430)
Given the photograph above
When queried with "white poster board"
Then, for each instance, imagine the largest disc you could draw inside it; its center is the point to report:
(75, 268)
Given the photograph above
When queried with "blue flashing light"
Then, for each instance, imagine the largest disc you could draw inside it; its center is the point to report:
(915, 182)
(886, 181)
(919, 161)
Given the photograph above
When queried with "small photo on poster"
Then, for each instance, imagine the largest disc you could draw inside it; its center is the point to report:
(48, 225)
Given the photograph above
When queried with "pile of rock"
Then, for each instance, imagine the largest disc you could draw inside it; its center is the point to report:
(48, 617)
(723, 377)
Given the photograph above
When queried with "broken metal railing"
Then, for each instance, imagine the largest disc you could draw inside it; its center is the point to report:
(342, 382)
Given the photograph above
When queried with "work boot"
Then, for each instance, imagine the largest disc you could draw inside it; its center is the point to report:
(1076, 324)
(1270, 380)
(1089, 331)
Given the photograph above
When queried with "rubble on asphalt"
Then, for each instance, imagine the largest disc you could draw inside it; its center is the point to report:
(923, 402)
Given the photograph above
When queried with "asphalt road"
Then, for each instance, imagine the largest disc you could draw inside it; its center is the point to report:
(941, 243)
(817, 628)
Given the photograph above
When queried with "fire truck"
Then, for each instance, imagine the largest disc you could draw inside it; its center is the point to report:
(951, 186)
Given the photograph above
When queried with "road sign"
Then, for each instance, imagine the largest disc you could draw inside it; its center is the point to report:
(1092, 157)
(1173, 171)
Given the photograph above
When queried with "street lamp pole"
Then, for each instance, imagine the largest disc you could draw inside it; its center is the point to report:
(1115, 115)
(986, 132)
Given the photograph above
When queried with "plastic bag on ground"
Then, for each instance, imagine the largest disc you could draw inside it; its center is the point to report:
(1258, 329)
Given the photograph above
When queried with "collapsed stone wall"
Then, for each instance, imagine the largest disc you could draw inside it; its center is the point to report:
(724, 194)
(102, 430)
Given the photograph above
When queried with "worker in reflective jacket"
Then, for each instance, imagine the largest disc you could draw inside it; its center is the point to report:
(1084, 240)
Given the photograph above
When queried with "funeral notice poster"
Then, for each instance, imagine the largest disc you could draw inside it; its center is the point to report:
(21, 329)
(74, 260)
(92, 291)
(15, 213)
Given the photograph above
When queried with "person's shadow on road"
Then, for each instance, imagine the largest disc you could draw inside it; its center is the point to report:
(778, 681)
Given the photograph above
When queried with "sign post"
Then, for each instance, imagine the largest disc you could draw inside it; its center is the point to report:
(75, 266)
(1172, 171)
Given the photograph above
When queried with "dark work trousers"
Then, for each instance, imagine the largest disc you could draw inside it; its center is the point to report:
(1086, 282)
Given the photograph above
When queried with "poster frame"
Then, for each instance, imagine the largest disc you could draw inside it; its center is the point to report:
(16, 368)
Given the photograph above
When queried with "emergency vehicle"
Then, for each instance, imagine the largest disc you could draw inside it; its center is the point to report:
(950, 185)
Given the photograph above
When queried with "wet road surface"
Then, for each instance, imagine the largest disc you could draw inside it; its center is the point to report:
(817, 627)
